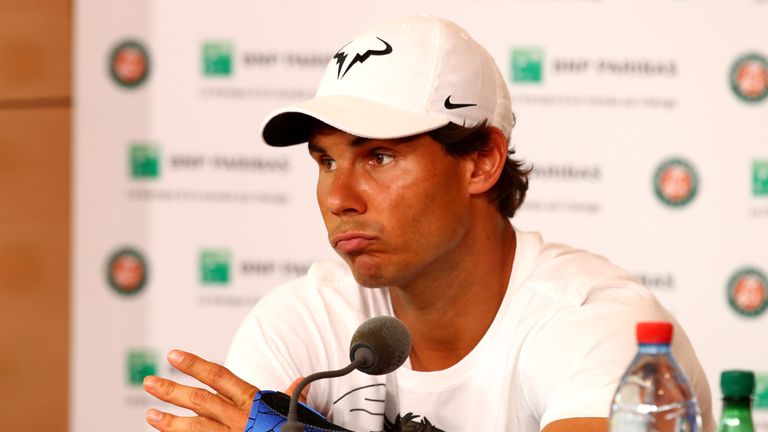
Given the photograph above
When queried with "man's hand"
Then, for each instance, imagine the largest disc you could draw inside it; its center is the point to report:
(578, 424)
(224, 411)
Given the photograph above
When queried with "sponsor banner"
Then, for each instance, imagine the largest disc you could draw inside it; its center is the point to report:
(129, 64)
(675, 182)
(760, 178)
(214, 267)
(144, 161)
(127, 271)
(758, 208)
(643, 147)
(760, 397)
(217, 58)
(749, 78)
(748, 292)
(658, 281)
(760, 401)
(545, 77)
(140, 363)
(565, 188)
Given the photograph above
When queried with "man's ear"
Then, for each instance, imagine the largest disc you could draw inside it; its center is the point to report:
(488, 164)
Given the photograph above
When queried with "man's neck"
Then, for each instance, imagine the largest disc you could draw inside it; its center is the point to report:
(449, 311)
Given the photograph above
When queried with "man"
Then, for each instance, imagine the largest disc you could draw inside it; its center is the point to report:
(410, 129)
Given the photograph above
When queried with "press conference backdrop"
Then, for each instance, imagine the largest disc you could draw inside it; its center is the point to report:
(646, 124)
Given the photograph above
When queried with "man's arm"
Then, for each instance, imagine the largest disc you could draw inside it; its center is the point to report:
(585, 424)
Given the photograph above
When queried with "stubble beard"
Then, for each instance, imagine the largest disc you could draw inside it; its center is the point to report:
(368, 274)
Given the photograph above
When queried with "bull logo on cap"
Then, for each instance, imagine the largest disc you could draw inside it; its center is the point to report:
(362, 50)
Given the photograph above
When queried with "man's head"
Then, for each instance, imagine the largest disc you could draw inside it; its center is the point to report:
(410, 128)
(398, 210)
(398, 79)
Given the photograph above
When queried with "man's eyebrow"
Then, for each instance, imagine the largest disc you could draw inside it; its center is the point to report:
(314, 148)
(359, 141)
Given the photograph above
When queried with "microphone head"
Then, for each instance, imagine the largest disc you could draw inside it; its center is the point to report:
(382, 343)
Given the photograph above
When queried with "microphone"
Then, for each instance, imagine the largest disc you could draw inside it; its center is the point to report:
(379, 346)
(382, 344)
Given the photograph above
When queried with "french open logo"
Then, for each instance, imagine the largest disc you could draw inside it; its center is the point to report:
(129, 64)
(127, 271)
(675, 182)
(748, 292)
(749, 77)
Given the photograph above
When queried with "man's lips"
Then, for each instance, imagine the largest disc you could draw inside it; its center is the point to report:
(350, 242)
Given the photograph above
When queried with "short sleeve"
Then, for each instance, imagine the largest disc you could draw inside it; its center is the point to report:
(573, 364)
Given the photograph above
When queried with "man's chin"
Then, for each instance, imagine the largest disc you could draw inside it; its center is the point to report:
(367, 273)
(370, 279)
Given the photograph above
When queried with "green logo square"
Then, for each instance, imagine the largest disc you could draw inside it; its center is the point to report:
(141, 363)
(145, 161)
(214, 267)
(760, 177)
(526, 64)
(217, 58)
(760, 397)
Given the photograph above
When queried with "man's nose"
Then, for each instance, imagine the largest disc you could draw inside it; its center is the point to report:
(344, 195)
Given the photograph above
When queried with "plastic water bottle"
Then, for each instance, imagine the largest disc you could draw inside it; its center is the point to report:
(737, 387)
(654, 395)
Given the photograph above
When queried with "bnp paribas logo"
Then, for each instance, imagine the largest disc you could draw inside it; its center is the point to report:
(749, 77)
(675, 182)
(217, 58)
(760, 177)
(140, 363)
(144, 161)
(214, 266)
(760, 396)
(527, 65)
(748, 292)
(129, 64)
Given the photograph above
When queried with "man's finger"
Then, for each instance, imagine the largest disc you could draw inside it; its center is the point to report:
(170, 423)
(304, 393)
(198, 400)
(215, 376)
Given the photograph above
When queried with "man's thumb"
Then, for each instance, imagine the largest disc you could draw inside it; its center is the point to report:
(304, 393)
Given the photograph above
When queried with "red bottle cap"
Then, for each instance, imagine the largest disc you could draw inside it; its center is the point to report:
(654, 332)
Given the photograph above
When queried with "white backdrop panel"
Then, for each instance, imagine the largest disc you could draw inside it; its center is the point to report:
(174, 168)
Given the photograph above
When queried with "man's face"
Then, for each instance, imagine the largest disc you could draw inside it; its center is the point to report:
(395, 210)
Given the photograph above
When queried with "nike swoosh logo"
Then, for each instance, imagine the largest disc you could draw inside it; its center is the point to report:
(449, 105)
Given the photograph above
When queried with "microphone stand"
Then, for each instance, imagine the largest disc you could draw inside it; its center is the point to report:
(292, 425)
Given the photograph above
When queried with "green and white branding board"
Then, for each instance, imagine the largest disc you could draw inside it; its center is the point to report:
(646, 124)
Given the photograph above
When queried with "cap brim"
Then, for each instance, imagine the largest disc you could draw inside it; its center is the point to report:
(360, 117)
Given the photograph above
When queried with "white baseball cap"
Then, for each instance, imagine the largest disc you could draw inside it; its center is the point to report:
(398, 79)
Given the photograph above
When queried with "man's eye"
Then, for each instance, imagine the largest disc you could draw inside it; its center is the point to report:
(382, 159)
(328, 164)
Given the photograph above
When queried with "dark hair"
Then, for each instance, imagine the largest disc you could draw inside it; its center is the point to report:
(509, 191)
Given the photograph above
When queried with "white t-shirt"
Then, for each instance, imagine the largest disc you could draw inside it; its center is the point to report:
(560, 342)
